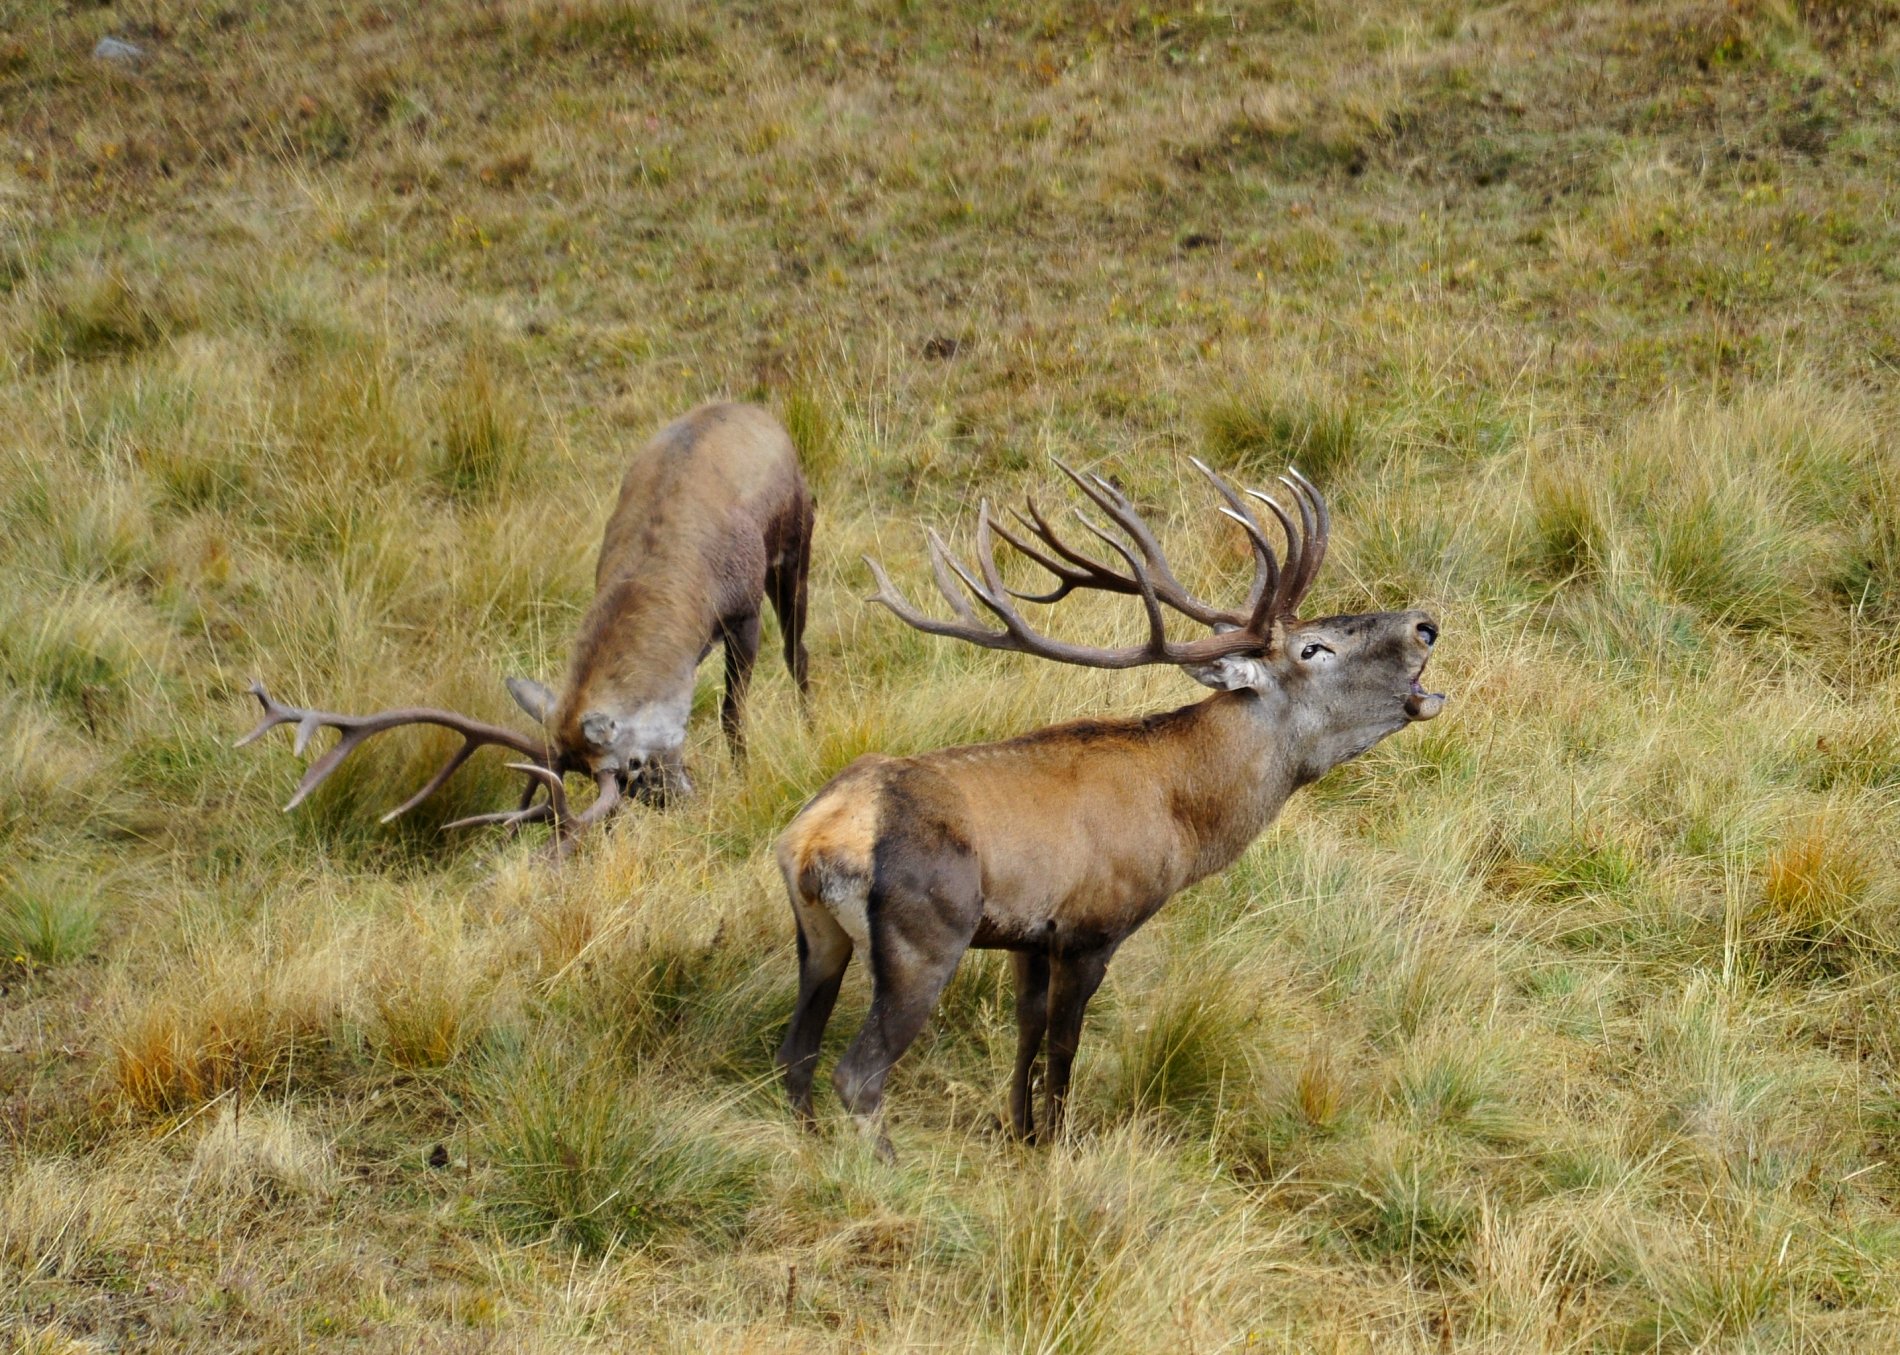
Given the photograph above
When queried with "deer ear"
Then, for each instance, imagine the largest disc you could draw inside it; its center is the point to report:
(599, 728)
(1230, 674)
(532, 697)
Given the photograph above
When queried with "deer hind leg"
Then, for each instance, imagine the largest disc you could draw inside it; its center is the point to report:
(786, 586)
(1073, 980)
(740, 635)
(824, 951)
(1032, 1021)
(919, 929)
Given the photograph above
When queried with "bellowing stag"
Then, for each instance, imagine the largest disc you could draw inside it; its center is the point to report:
(1057, 845)
(713, 516)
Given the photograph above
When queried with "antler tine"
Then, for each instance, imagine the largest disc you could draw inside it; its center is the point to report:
(436, 782)
(1266, 566)
(557, 789)
(1266, 600)
(1088, 572)
(941, 563)
(1068, 579)
(1308, 567)
(275, 714)
(1157, 625)
(508, 818)
(1160, 575)
(319, 771)
(990, 591)
(888, 595)
(1322, 525)
(605, 803)
(1283, 585)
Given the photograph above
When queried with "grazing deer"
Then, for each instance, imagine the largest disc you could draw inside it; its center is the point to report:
(1059, 844)
(713, 515)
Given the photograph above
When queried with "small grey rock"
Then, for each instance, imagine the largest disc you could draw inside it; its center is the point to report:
(118, 51)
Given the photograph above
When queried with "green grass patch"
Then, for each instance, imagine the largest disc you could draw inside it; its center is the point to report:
(590, 1153)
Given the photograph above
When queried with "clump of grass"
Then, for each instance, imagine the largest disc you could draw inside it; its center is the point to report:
(1405, 1203)
(100, 310)
(1457, 1085)
(1081, 1248)
(55, 1218)
(234, 1018)
(431, 994)
(1319, 1089)
(1184, 1050)
(48, 916)
(1741, 504)
(672, 988)
(815, 433)
(44, 772)
(482, 442)
(1728, 1280)
(86, 651)
(164, 1061)
(1593, 864)
(1570, 523)
(596, 1159)
(633, 30)
(1264, 429)
(1815, 886)
(1858, 751)
(257, 1154)
(1718, 549)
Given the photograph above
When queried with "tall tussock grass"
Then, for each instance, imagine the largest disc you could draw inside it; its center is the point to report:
(597, 1158)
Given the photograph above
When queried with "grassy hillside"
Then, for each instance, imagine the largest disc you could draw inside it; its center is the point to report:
(1566, 1022)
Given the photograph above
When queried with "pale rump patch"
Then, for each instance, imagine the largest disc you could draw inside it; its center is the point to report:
(830, 847)
(847, 898)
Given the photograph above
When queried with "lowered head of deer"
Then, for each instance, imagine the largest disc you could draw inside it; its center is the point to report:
(1058, 844)
(624, 712)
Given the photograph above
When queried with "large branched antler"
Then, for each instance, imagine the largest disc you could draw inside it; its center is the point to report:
(354, 730)
(1275, 595)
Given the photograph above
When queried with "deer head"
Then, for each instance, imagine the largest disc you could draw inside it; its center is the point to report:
(1338, 684)
(625, 705)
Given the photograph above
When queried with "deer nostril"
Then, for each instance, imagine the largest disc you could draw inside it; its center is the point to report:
(1428, 632)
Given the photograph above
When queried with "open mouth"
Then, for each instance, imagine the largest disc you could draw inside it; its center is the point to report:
(1419, 703)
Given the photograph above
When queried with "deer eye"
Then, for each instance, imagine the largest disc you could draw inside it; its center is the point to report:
(1308, 651)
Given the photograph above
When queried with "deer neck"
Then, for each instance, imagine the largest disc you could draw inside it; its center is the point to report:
(640, 639)
(1238, 764)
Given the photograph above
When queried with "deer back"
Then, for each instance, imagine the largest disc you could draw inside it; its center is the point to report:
(704, 509)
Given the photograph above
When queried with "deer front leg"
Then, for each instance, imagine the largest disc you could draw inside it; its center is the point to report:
(1032, 1022)
(1073, 979)
(741, 639)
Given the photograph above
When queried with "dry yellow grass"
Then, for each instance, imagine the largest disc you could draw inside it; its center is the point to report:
(1564, 1023)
